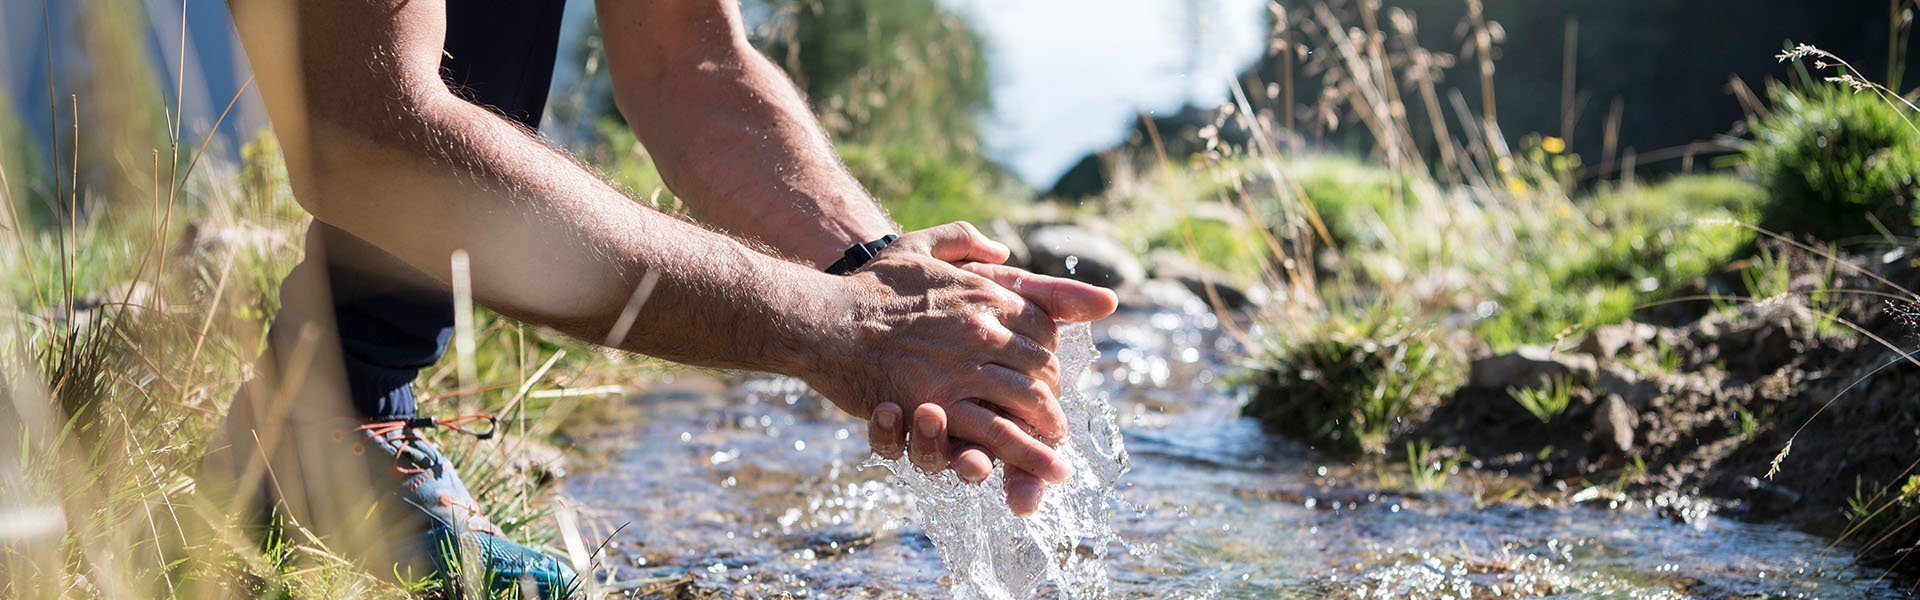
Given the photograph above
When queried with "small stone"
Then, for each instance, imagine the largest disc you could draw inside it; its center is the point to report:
(1756, 338)
(1608, 341)
(1530, 367)
(1767, 500)
(1161, 294)
(1201, 279)
(1613, 423)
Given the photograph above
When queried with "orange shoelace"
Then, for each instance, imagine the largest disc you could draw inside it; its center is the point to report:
(382, 429)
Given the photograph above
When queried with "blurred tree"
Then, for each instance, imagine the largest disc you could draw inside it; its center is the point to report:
(20, 168)
(885, 71)
(121, 111)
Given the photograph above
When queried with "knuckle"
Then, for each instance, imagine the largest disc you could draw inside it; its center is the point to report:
(1004, 435)
(985, 334)
(1039, 388)
(1049, 333)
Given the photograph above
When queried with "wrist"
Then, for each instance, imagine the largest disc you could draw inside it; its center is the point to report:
(825, 309)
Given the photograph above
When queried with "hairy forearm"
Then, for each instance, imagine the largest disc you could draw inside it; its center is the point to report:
(736, 141)
(552, 244)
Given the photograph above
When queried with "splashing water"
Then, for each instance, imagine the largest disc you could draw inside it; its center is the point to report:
(994, 554)
(1072, 261)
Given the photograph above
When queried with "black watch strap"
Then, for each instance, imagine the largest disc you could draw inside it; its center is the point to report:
(859, 254)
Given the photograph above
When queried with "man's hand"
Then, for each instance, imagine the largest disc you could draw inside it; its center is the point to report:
(913, 328)
(931, 451)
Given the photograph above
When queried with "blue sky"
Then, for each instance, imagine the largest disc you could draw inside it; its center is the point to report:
(1071, 76)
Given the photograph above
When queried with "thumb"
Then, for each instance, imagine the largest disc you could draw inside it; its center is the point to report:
(1063, 299)
(955, 242)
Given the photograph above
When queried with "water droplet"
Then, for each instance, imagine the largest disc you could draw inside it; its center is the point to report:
(1072, 262)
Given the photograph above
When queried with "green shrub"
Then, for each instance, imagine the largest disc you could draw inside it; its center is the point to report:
(1349, 384)
(886, 71)
(1352, 198)
(922, 190)
(1835, 161)
(1235, 248)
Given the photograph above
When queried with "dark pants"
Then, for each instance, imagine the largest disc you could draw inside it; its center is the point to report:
(391, 319)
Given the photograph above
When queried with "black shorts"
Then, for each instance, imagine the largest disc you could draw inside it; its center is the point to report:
(500, 53)
(393, 320)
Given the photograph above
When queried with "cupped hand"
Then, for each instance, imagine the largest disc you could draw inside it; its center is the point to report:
(971, 458)
(920, 330)
(931, 450)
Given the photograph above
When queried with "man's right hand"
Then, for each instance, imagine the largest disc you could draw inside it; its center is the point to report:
(930, 450)
(912, 328)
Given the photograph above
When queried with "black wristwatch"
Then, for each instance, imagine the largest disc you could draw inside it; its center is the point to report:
(859, 254)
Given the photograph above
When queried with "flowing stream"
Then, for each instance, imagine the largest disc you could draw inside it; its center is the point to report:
(751, 486)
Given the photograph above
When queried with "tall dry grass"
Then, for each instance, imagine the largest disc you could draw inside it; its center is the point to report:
(138, 275)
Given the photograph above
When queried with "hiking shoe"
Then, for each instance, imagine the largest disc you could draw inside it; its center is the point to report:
(379, 487)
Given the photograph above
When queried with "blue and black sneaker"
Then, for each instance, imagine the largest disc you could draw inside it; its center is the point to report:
(383, 494)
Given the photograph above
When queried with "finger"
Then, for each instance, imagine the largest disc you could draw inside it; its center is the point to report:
(972, 464)
(1023, 396)
(886, 433)
(1026, 318)
(1024, 492)
(1023, 356)
(1063, 299)
(1005, 439)
(928, 447)
(956, 242)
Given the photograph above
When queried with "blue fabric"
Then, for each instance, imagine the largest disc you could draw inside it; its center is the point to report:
(392, 320)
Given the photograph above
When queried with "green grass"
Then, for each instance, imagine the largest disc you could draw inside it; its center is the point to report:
(1884, 520)
(1429, 470)
(1545, 403)
(1349, 381)
(1772, 275)
(109, 411)
(1618, 250)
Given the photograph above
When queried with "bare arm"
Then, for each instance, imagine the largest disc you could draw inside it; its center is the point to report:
(730, 134)
(377, 145)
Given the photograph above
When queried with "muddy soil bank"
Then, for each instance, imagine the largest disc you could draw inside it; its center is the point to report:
(1773, 409)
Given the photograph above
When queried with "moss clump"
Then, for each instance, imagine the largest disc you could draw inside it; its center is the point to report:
(1836, 162)
(1347, 386)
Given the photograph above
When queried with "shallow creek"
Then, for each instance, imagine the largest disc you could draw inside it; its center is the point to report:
(750, 486)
